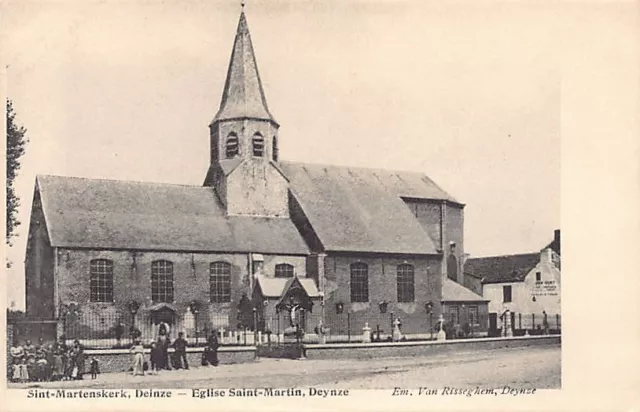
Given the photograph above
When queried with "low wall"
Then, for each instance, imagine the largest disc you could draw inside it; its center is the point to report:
(120, 360)
(399, 349)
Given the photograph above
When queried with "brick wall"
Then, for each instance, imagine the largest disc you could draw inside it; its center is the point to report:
(428, 214)
(122, 360)
(398, 349)
(132, 281)
(382, 287)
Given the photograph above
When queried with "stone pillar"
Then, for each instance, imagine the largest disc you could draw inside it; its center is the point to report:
(507, 324)
(366, 333)
(442, 335)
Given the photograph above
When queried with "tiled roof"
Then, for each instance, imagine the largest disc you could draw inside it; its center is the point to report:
(454, 292)
(361, 210)
(95, 213)
(500, 269)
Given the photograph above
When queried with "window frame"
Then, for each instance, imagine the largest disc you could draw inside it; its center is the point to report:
(538, 276)
(101, 281)
(274, 148)
(220, 282)
(286, 268)
(506, 288)
(162, 281)
(359, 282)
(257, 145)
(454, 310)
(473, 320)
(405, 283)
(232, 142)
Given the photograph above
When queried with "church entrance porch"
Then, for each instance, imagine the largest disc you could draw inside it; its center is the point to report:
(162, 318)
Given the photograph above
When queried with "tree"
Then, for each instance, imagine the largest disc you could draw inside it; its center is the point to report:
(16, 142)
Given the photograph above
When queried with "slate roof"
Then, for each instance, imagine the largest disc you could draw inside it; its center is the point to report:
(361, 210)
(276, 287)
(110, 214)
(501, 269)
(243, 95)
(455, 292)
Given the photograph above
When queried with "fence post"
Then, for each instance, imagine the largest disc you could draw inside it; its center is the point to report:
(520, 320)
(533, 322)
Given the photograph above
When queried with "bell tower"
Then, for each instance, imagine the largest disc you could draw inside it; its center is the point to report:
(244, 142)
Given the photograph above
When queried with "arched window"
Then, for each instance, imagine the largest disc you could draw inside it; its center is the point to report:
(359, 282)
(258, 145)
(220, 282)
(232, 145)
(452, 268)
(274, 148)
(406, 283)
(284, 270)
(101, 280)
(161, 281)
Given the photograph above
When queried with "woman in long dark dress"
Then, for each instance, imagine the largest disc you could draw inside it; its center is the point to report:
(77, 359)
(212, 348)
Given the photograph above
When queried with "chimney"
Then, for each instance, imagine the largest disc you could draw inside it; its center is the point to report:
(546, 255)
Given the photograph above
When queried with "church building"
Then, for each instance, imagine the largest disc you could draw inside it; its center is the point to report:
(259, 236)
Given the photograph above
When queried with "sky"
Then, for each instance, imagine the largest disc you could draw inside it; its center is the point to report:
(465, 92)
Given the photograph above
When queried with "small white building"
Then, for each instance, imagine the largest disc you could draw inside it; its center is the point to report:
(528, 285)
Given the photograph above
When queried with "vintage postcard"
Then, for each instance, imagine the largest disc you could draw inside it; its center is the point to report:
(309, 205)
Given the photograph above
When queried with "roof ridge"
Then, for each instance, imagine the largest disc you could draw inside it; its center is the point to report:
(505, 256)
(122, 181)
(359, 167)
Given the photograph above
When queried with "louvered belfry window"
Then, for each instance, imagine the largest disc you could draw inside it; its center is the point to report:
(359, 282)
(258, 145)
(232, 149)
(162, 281)
(101, 280)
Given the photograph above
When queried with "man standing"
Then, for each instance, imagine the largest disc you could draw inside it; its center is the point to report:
(180, 346)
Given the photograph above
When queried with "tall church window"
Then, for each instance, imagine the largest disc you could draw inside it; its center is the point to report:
(258, 145)
(284, 270)
(220, 282)
(274, 149)
(232, 145)
(162, 281)
(101, 280)
(406, 283)
(359, 282)
(452, 268)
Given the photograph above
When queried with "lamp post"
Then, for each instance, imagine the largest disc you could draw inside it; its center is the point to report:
(255, 326)
(133, 307)
(429, 308)
(194, 308)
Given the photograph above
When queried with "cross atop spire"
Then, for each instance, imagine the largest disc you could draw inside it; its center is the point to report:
(243, 96)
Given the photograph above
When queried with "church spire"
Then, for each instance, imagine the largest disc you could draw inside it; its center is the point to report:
(243, 96)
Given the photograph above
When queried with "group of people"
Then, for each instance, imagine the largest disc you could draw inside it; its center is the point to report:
(48, 361)
(159, 358)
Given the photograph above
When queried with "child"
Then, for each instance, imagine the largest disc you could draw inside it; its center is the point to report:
(94, 368)
(138, 358)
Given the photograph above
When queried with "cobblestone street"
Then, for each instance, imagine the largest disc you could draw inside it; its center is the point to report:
(534, 367)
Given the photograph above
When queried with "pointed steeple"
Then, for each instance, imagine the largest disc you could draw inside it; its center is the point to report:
(243, 96)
